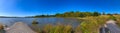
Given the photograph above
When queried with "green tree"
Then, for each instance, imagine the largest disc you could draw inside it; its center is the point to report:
(58, 15)
(109, 14)
(77, 14)
(88, 13)
(96, 14)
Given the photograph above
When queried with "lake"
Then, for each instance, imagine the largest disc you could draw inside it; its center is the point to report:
(42, 21)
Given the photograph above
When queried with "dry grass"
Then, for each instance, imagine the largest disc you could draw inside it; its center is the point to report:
(117, 19)
(92, 24)
(89, 25)
(1, 26)
(57, 29)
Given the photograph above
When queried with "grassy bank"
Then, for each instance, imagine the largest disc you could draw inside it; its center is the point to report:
(92, 24)
(89, 24)
(117, 19)
(59, 28)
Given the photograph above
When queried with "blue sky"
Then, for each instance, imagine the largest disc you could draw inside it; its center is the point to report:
(38, 7)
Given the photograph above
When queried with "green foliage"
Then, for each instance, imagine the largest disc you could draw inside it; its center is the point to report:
(117, 19)
(112, 17)
(67, 29)
(40, 16)
(77, 14)
(78, 29)
(58, 29)
(109, 14)
(58, 15)
(36, 28)
(92, 24)
(96, 14)
(37, 16)
(72, 14)
(89, 24)
(47, 29)
(35, 22)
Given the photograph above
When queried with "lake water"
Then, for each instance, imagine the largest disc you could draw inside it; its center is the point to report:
(42, 21)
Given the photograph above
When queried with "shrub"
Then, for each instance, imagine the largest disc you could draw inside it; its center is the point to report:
(92, 24)
(35, 22)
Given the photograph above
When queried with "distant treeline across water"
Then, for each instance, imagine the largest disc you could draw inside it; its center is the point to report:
(76, 14)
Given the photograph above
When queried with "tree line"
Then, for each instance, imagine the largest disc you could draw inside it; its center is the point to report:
(75, 14)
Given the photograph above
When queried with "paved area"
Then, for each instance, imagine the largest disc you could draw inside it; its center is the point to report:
(19, 27)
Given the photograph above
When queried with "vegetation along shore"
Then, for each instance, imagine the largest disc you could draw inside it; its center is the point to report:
(91, 22)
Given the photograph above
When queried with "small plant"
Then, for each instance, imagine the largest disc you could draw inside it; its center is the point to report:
(112, 17)
(117, 19)
(57, 29)
(2, 29)
(1, 26)
(35, 22)
(67, 29)
(47, 29)
(78, 29)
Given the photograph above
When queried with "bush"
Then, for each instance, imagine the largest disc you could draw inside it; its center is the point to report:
(35, 22)
(92, 24)
(1, 27)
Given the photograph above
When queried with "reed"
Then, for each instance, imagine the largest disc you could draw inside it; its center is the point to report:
(89, 24)
(92, 24)
(58, 29)
(117, 19)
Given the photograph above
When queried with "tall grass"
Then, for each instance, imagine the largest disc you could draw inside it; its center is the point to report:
(117, 19)
(47, 28)
(92, 24)
(88, 25)
(78, 29)
(57, 29)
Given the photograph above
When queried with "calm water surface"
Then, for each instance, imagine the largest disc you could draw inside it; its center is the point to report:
(42, 21)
